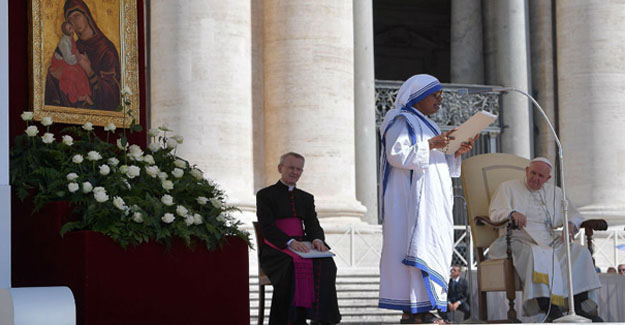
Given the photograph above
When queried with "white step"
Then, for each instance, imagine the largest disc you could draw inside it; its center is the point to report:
(357, 292)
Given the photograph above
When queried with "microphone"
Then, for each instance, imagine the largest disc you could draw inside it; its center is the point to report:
(467, 91)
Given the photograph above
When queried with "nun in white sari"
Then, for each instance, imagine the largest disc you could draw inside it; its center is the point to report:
(416, 202)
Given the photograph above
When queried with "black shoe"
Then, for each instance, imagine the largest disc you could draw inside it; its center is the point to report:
(592, 316)
(554, 314)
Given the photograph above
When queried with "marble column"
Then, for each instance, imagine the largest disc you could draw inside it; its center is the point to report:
(542, 52)
(591, 91)
(506, 61)
(258, 93)
(309, 99)
(201, 79)
(467, 52)
(364, 110)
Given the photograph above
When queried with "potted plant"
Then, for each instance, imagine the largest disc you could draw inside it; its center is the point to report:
(138, 216)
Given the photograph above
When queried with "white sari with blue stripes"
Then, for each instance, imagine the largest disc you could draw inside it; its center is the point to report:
(416, 206)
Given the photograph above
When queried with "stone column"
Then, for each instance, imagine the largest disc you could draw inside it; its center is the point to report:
(364, 110)
(467, 52)
(506, 60)
(309, 99)
(258, 93)
(542, 51)
(591, 91)
(201, 87)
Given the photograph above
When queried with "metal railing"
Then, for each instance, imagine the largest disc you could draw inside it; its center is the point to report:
(365, 247)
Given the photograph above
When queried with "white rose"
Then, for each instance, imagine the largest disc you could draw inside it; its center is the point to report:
(113, 161)
(87, 187)
(27, 116)
(46, 121)
(72, 187)
(133, 171)
(168, 218)
(32, 131)
(201, 200)
(152, 171)
(47, 138)
(98, 189)
(154, 146)
(135, 151)
(168, 185)
(93, 155)
(181, 211)
(153, 132)
(148, 159)
(110, 127)
(119, 203)
(197, 219)
(119, 144)
(188, 220)
(165, 128)
(100, 196)
(216, 203)
(77, 159)
(178, 138)
(137, 217)
(87, 126)
(163, 176)
(221, 218)
(180, 163)
(71, 176)
(171, 143)
(68, 140)
(126, 91)
(105, 170)
(177, 172)
(123, 169)
(167, 199)
(196, 173)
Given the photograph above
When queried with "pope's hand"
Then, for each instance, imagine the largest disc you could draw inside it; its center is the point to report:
(519, 219)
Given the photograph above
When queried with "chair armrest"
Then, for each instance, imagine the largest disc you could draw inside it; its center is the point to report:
(483, 220)
(590, 226)
(595, 224)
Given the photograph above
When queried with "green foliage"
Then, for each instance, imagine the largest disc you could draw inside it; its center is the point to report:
(121, 191)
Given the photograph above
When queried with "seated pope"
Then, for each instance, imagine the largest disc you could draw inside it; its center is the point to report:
(538, 249)
(304, 288)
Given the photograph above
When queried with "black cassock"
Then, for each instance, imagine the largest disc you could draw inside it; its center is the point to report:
(275, 202)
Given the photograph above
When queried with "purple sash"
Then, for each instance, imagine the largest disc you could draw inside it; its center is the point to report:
(304, 280)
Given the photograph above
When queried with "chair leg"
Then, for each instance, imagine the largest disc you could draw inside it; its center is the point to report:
(261, 304)
(510, 291)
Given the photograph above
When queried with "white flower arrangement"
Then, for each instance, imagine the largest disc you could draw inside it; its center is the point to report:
(123, 192)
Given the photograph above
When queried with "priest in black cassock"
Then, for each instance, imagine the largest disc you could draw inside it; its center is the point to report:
(303, 288)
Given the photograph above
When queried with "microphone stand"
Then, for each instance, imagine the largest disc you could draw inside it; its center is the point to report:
(571, 317)
(467, 241)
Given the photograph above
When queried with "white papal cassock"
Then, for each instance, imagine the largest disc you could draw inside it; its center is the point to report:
(538, 252)
(417, 200)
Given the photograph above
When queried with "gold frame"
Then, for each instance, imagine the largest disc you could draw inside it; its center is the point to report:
(129, 69)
